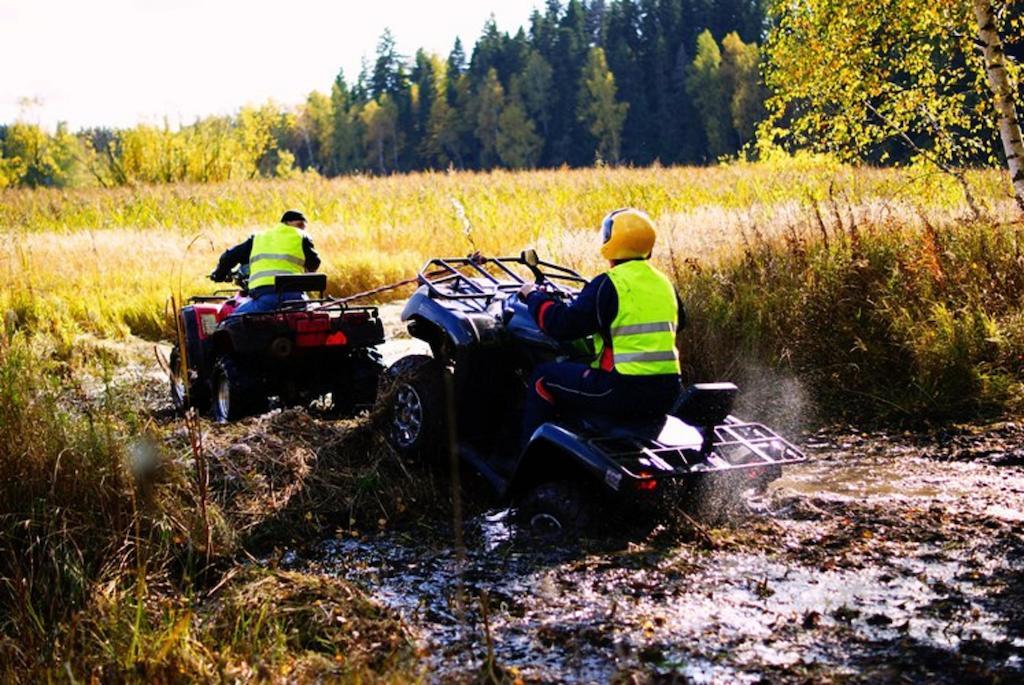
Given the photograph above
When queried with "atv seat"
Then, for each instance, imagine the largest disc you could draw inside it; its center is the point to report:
(665, 430)
(291, 283)
(706, 404)
(629, 427)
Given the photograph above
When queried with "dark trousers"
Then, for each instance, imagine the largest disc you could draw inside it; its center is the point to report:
(570, 387)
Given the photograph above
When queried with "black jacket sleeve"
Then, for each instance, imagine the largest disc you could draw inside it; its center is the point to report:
(592, 312)
(239, 254)
(312, 258)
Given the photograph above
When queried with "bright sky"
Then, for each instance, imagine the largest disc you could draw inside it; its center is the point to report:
(118, 62)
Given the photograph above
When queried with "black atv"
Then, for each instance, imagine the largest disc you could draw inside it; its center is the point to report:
(302, 351)
(485, 344)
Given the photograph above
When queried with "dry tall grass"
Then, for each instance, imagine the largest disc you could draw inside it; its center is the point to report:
(106, 261)
(869, 292)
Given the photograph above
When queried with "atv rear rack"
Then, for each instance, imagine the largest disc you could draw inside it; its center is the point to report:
(737, 445)
(468, 280)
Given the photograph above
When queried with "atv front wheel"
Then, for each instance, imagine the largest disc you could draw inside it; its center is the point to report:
(555, 510)
(415, 406)
(185, 394)
(235, 394)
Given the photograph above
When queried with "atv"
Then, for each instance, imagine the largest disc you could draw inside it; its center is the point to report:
(233, 364)
(484, 346)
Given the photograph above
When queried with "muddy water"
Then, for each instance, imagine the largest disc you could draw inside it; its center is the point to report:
(883, 559)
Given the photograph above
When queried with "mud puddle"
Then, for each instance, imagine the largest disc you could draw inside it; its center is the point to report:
(883, 559)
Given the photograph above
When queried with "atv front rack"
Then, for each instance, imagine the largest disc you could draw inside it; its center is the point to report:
(477, 282)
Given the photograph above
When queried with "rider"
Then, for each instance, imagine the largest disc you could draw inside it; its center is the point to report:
(633, 311)
(284, 249)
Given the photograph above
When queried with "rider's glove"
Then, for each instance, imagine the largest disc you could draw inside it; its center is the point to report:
(216, 277)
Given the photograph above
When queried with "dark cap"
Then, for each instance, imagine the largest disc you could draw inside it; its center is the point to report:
(292, 215)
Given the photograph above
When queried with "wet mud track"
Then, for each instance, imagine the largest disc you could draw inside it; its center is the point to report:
(883, 559)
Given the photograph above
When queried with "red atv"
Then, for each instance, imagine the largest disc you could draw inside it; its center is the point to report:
(303, 351)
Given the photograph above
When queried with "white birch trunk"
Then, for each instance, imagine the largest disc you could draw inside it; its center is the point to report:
(1002, 91)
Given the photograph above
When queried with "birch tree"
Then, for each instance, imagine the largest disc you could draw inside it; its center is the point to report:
(490, 101)
(890, 80)
(1003, 95)
(599, 108)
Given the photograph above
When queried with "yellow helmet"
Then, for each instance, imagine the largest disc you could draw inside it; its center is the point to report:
(627, 234)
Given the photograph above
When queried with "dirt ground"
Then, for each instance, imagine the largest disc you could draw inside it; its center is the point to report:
(885, 558)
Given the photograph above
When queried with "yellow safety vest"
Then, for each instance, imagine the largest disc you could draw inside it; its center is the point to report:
(643, 333)
(276, 252)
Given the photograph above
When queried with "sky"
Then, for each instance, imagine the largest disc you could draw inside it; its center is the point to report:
(121, 62)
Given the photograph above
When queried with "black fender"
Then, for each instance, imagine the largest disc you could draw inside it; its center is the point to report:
(554, 452)
(463, 328)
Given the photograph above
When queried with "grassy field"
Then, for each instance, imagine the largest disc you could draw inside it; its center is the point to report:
(825, 291)
(839, 276)
(106, 261)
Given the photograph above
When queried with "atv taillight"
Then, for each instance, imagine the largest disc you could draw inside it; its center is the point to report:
(336, 338)
(647, 482)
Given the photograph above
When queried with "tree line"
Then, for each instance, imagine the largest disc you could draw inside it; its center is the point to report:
(626, 81)
(610, 82)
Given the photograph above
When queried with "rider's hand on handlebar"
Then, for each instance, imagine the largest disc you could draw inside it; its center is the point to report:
(525, 291)
(216, 277)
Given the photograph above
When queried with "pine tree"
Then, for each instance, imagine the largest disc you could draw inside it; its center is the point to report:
(623, 42)
(389, 76)
(568, 141)
(535, 86)
(344, 131)
(440, 145)
(595, 11)
(456, 59)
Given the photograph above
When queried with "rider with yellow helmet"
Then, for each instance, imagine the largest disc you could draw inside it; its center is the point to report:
(633, 312)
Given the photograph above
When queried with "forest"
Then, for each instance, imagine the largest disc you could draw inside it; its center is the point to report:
(631, 82)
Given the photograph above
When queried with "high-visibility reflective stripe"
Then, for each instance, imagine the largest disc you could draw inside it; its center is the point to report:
(627, 357)
(270, 273)
(641, 328)
(282, 257)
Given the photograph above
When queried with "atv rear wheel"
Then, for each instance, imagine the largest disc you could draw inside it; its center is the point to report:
(185, 394)
(555, 510)
(235, 394)
(415, 406)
